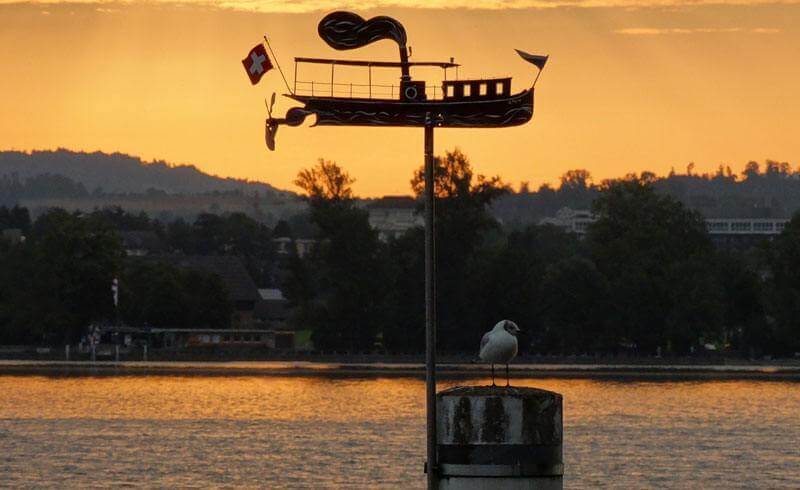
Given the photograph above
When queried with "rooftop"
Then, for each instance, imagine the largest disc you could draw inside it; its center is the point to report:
(229, 268)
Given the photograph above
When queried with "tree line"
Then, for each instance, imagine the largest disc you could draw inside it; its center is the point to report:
(767, 189)
(761, 190)
(645, 280)
(57, 281)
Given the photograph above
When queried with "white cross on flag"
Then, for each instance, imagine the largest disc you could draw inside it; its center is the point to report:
(257, 63)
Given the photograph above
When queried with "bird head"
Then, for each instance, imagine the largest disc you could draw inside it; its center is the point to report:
(511, 327)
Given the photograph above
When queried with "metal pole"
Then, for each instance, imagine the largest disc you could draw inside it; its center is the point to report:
(430, 305)
(537, 77)
(278, 65)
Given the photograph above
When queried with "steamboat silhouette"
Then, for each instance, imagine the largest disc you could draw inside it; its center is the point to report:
(476, 103)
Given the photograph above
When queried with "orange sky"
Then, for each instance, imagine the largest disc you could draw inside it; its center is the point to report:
(631, 84)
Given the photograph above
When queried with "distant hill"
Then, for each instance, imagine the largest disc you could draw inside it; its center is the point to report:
(85, 181)
(771, 190)
(118, 173)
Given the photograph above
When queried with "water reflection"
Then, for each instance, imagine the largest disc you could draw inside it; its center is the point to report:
(303, 431)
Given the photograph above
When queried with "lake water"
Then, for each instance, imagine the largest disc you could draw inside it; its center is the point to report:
(325, 431)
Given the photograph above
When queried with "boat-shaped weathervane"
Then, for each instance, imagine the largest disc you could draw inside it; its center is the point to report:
(475, 103)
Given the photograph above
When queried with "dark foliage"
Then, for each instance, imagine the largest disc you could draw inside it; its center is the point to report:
(15, 217)
(646, 279)
(229, 234)
(784, 289)
(341, 289)
(159, 295)
(58, 281)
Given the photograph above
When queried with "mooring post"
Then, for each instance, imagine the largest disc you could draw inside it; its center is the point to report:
(499, 438)
(430, 307)
(66, 352)
(144, 354)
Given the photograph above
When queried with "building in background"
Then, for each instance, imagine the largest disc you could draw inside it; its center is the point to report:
(741, 233)
(571, 220)
(724, 232)
(392, 216)
(302, 246)
(188, 338)
(272, 309)
(141, 243)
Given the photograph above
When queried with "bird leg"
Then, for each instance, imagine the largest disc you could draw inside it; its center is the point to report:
(493, 375)
(508, 383)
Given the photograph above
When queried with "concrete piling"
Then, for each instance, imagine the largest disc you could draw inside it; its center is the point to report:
(499, 438)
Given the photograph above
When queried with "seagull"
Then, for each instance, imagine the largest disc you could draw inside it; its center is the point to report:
(499, 345)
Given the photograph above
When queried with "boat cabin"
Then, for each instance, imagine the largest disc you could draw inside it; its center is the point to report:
(476, 89)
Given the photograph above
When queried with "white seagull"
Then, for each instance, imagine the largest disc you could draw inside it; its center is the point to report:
(499, 345)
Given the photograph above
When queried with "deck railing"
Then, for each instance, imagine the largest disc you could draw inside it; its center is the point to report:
(359, 90)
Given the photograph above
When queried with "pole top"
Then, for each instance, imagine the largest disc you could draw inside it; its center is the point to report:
(498, 391)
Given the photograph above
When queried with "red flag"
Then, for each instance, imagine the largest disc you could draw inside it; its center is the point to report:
(257, 63)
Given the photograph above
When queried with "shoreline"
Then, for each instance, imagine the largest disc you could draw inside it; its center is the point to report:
(379, 369)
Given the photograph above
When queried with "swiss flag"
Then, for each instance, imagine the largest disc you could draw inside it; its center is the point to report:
(257, 63)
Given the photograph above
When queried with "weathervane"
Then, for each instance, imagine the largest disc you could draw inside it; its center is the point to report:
(477, 103)
(481, 103)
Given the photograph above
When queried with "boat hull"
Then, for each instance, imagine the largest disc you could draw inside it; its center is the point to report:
(466, 113)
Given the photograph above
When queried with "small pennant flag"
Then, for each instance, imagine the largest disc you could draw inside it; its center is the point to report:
(536, 59)
(257, 63)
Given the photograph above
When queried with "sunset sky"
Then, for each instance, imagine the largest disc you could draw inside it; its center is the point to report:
(631, 84)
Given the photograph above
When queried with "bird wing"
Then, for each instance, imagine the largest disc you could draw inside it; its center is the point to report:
(485, 340)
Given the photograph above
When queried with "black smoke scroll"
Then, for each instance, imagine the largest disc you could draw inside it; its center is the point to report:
(346, 30)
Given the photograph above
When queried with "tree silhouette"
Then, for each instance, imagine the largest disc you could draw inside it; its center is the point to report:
(326, 181)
